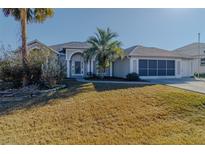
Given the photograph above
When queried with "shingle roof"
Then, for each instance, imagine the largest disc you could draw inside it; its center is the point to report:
(71, 45)
(151, 52)
(36, 43)
(191, 49)
(130, 49)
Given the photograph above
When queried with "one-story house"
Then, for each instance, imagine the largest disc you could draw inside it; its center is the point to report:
(148, 62)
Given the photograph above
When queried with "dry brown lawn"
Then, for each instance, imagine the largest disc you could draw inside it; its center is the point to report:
(108, 114)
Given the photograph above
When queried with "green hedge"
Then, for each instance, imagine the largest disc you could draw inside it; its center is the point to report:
(201, 75)
(132, 77)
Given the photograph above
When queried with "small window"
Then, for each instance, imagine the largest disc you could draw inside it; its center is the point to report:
(203, 61)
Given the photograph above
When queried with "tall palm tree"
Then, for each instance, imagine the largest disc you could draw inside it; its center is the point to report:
(105, 47)
(25, 16)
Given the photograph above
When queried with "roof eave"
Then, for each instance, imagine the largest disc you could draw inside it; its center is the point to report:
(176, 57)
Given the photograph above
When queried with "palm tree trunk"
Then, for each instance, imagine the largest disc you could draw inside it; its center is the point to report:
(24, 46)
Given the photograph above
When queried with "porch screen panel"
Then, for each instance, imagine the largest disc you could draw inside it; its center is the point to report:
(162, 67)
(170, 67)
(152, 67)
(149, 67)
(143, 67)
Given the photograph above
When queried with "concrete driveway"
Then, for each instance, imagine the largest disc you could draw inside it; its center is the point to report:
(184, 83)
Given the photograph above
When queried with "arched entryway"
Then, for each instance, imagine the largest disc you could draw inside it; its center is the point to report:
(77, 65)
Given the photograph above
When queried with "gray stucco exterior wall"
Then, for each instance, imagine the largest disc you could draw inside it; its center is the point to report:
(121, 67)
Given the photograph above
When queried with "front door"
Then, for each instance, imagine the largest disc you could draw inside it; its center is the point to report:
(77, 67)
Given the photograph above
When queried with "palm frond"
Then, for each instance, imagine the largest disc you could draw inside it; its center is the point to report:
(41, 14)
(33, 15)
(12, 12)
(107, 49)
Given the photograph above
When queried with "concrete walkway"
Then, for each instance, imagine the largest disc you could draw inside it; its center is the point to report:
(117, 82)
(183, 83)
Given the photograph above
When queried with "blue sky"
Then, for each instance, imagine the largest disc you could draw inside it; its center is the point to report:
(164, 28)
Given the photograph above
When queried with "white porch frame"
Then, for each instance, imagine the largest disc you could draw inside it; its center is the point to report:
(177, 62)
(69, 54)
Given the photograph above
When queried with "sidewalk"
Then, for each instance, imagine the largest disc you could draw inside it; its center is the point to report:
(119, 82)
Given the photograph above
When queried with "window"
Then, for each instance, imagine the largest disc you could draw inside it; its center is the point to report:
(156, 67)
(202, 61)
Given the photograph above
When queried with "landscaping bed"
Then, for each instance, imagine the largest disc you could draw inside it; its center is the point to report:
(11, 99)
(108, 78)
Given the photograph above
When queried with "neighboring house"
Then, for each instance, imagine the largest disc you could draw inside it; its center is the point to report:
(196, 51)
(148, 62)
(37, 45)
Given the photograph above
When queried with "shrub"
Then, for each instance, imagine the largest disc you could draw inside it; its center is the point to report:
(91, 74)
(51, 72)
(201, 75)
(43, 68)
(11, 73)
(132, 77)
(34, 74)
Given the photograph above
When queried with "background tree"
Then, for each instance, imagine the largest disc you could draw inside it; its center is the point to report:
(25, 16)
(105, 47)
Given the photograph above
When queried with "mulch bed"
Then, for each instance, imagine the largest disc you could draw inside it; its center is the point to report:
(27, 92)
(107, 78)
